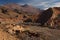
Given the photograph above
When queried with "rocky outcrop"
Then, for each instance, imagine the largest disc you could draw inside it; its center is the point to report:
(55, 17)
(45, 16)
(48, 17)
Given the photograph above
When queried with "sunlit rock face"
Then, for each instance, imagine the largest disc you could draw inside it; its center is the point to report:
(55, 17)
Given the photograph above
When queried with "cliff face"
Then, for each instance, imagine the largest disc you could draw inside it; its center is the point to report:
(45, 16)
(49, 17)
(54, 20)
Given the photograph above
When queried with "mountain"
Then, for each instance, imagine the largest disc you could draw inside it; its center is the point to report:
(18, 13)
(14, 13)
(55, 18)
(25, 22)
(50, 16)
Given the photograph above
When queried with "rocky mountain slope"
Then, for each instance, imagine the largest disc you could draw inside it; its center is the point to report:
(25, 22)
(50, 17)
(15, 14)
(18, 13)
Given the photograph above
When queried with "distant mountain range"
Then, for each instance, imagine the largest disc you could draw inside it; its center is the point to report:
(26, 13)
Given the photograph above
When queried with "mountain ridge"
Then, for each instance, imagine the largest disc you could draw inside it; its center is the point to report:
(25, 12)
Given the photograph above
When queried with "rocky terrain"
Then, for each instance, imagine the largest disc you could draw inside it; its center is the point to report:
(25, 22)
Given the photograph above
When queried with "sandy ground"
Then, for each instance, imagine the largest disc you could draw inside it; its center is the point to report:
(45, 33)
(5, 36)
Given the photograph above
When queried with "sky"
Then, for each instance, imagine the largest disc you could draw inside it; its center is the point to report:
(43, 4)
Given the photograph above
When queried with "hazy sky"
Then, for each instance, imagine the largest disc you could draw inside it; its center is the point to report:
(44, 4)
